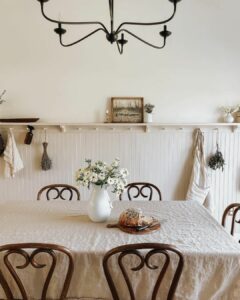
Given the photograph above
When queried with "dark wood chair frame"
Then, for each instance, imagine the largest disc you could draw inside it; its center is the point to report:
(140, 187)
(232, 211)
(155, 248)
(30, 259)
(59, 189)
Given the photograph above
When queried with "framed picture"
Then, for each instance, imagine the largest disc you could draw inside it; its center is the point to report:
(127, 109)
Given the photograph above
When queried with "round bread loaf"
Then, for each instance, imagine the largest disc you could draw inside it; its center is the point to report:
(133, 217)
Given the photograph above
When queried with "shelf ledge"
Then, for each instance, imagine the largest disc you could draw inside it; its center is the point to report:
(147, 127)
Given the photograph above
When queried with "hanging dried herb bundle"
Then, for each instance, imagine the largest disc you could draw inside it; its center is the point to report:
(217, 161)
(46, 162)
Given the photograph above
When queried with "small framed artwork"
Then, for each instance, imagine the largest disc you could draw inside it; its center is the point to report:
(127, 109)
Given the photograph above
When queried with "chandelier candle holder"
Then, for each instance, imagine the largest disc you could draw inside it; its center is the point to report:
(114, 36)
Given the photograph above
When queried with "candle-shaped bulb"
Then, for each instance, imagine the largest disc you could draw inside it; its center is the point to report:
(165, 33)
(60, 30)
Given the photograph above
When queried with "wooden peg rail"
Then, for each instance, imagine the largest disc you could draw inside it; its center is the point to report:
(133, 127)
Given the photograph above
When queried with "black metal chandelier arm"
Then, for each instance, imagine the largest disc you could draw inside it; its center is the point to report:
(72, 23)
(78, 41)
(150, 23)
(120, 49)
(143, 41)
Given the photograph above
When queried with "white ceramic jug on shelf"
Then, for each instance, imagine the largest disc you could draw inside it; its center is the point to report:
(229, 118)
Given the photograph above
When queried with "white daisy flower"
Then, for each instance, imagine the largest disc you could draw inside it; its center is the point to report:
(93, 177)
(110, 181)
(85, 183)
(87, 173)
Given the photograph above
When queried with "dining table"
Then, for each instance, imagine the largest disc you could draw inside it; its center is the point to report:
(211, 255)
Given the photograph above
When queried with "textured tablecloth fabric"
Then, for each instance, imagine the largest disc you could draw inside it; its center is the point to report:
(212, 256)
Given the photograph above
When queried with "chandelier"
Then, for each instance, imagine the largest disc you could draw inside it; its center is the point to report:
(114, 36)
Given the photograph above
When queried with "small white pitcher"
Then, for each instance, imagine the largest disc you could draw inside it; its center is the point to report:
(99, 205)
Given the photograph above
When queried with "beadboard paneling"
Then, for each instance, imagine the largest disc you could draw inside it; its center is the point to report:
(162, 157)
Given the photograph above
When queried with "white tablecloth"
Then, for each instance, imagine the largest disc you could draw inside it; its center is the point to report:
(212, 257)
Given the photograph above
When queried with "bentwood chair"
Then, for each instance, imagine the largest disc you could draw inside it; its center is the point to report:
(231, 211)
(143, 260)
(33, 255)
(139, 190)
(59, 191)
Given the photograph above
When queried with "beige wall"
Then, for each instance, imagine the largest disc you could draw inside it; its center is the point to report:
(196, 73)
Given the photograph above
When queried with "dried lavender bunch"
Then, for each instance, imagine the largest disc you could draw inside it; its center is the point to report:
(46, 162)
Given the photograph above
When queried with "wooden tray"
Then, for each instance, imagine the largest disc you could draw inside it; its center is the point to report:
(133, 230)
(19, 120)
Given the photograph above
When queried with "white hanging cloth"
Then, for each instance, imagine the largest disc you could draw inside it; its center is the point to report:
(199, 186)
(13, 161)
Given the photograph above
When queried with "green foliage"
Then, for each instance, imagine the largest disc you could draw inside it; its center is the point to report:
(149, 108)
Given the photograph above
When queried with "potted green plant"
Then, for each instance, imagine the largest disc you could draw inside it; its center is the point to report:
(148, 108)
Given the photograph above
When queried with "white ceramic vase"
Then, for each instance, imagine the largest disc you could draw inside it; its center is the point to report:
(229, 118)
(99, 205)
(148, 118)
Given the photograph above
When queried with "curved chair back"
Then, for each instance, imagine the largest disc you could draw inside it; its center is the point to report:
(231, 211)
(29, 252)
(166, 251)
(139, 190)
(59, 191)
